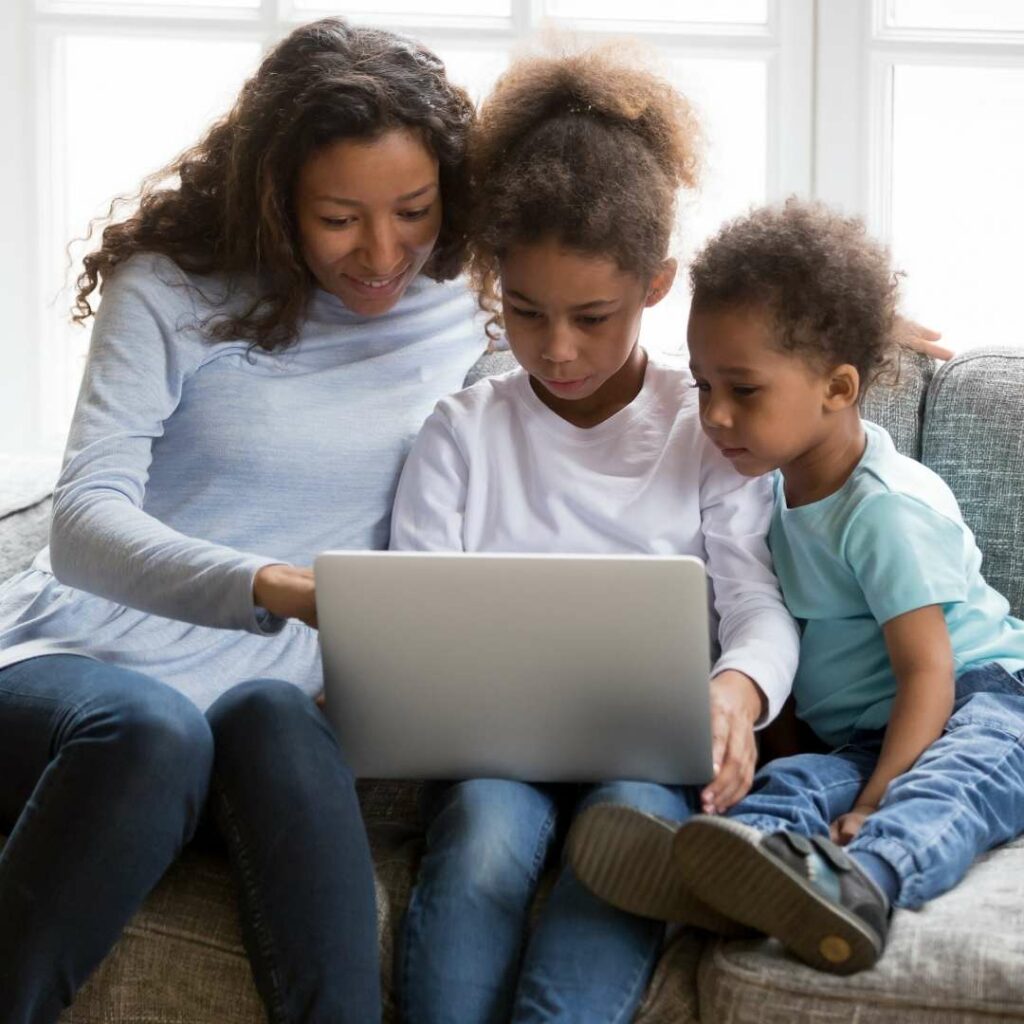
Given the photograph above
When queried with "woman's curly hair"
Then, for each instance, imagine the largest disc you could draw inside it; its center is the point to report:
(829, 287)
(587, 148)
(231, 208)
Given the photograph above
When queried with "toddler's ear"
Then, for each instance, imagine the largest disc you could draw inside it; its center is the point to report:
(843, 388)
(661, 282)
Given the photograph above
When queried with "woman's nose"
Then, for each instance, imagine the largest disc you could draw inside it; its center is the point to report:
(382, 250)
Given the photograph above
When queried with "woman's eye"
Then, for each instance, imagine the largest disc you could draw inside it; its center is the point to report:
(526, 314)
(414, 214)
(336, 222)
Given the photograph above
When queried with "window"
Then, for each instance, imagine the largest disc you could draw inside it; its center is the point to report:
(903, 111)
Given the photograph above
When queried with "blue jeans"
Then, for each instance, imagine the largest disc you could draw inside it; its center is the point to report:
(963, 796)
(464, 957)
(104, 774)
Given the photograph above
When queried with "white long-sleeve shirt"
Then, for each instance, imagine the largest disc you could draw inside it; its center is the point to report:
(494, 469)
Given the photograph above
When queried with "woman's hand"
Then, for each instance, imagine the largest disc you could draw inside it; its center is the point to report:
(286, 591)
(845, 828)
(910, 334)
(736, 704)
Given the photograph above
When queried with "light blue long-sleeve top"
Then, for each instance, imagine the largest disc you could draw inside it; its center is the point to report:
(191, 464)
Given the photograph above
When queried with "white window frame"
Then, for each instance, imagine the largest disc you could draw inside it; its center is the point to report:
(856, 58)
(29, 196)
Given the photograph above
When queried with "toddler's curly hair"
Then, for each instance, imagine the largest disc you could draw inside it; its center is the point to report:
(587, 148)
(829, 287)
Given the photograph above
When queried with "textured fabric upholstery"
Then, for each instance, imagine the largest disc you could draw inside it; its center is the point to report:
(958, 959)
(899, 406)
(974, 439)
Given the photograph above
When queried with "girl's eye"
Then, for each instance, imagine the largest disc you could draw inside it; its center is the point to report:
(593, 321)
(701, 385)
(336, 222)
(743, 391)
(414, 214)
(526, 314)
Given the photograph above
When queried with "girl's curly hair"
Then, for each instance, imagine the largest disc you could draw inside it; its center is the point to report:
(231, 208)
(588, 148)
(828, 286)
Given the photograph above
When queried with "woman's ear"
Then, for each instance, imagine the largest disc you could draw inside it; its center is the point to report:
(843, 388)
(661, 282)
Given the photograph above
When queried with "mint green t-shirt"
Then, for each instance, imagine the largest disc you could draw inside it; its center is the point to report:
(890, 540)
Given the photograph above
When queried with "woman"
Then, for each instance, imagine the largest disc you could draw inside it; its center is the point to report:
(274, 329)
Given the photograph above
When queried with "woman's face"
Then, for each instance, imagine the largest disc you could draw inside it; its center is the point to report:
(369, 212)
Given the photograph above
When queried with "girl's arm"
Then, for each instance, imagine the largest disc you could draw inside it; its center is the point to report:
(101, 540)
(430, 504)
(922, 661)
(758, 638)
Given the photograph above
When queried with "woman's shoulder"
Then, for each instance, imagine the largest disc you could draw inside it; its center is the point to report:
(157, 280)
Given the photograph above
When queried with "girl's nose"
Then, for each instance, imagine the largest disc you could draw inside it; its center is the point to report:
(559, 346)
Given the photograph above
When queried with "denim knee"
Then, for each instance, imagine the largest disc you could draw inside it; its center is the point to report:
(159, 740)
(491, 835)
(673, 803)
(261, 708)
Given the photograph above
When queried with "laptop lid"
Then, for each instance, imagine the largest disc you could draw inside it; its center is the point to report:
(544, 667)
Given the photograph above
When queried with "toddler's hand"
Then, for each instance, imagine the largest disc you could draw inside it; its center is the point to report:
(735, 707)
(845, 828)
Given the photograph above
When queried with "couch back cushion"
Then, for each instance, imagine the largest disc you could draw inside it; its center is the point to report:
(899, 407)
(973, 439)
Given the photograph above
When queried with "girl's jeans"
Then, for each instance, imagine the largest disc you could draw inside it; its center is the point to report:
(964, 795)
(103, 778)
(463, 959)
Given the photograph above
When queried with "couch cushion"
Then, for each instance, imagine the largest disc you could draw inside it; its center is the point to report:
(899, 406)
(958, 959)
(973, 439)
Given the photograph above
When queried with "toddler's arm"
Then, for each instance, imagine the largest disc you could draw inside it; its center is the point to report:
(922, 661)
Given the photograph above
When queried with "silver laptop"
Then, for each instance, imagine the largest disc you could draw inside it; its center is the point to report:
(545, 668)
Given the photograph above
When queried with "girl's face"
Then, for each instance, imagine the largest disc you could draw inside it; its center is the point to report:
(369, 213)
(763, 407)
(573, 321)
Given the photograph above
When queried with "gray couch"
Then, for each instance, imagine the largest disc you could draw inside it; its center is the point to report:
(961, 958)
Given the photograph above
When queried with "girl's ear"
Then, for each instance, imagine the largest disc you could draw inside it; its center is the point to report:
(661, 282)
(843, 388)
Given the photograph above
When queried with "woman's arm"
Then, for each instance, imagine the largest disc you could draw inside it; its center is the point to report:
(922, 661)
(101, 540)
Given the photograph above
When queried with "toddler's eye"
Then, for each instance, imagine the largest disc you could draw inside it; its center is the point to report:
(742, 391)
(701, 385)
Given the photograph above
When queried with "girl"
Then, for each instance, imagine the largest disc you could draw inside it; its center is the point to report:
(591, 446)
(274, 328)
(911, 667)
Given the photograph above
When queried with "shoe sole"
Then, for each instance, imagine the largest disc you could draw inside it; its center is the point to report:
(750, 884)
(626, 858)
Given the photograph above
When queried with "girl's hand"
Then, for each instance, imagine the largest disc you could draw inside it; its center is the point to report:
(910, 334)
(736, 704)
(845, 828)
(286, 591)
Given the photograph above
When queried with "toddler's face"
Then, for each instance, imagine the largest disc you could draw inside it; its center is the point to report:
(573, 320)
(761, 406)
